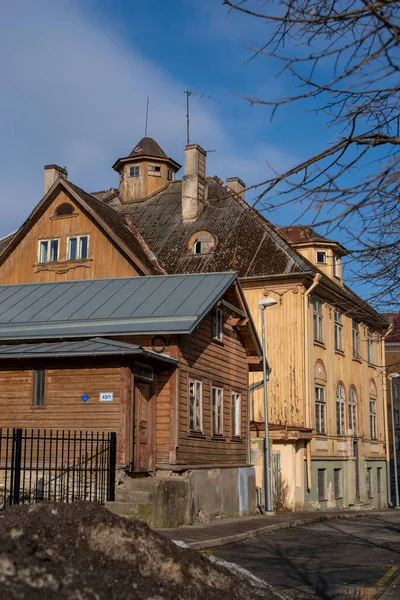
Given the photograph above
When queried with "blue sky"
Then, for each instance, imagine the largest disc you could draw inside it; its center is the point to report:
(75, 76)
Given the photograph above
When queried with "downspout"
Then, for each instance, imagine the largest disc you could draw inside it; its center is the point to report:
(307, 293)
(385, 409)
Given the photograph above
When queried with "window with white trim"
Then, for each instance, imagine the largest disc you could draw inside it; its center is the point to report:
(154, 170)
(372, 419)
(356, 339)
(321, 257)
(217, 325)
(78, 247)
(236, 414)
(370, 346)
(338, 331)
(320, 409)
(353, 410)
(217, 411)
(49, 250)
(195, 406)
(336, 266)
(340, 410)
(317, 320)
(134, 171)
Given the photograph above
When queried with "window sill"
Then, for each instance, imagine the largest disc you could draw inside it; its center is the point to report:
(236, 438)
(340, 352)
(356, 359)
(196, 434)
(217, 341)
(63, 266)
(55, 217)
(218, 437)
(38, 407)
(319, 344)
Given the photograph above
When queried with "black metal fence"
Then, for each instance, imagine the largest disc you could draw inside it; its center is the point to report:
(59, 466)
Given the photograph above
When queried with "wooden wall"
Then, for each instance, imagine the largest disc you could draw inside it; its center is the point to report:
(137, 188)
(105, 259)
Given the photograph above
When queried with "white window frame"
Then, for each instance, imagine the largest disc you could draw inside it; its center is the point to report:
(372, 419)
(320, 262)
(355, 329)
(236, 414)
(340, 414)
(151, 170)
(217, 325)
(136, 170)
(335, 266)
(370, 347)
(78, 246)
(353, 410)
(318, 317)
(48, 240)
(320, 409)
(338, 324)
(195, 396)
(170, 175)
(217, 410)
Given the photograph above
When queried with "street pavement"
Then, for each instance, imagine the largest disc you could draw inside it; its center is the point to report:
(348, 559)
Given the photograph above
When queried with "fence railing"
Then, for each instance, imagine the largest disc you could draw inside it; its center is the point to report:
(60, 466)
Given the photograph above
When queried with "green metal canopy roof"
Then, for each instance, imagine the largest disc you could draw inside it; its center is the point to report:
(165, 304)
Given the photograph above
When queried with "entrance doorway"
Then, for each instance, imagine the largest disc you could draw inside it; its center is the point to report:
(144, 440)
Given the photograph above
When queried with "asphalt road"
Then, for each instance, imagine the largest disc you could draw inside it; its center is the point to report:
(359, 558)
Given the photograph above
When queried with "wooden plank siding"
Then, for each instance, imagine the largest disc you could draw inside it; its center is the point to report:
(223, 365)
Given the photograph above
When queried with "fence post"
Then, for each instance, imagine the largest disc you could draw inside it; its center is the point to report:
(17, 442)
(112, 467)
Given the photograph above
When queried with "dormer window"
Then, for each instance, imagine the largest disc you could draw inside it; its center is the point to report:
(336, 266)
(154, 170)
(134, 171)
(78, 247)
(321, 257)
(49, 250)
(64, 210)
(201, 243)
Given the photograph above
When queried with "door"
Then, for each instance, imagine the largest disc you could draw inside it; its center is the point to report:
(144, 428)
(357, 470)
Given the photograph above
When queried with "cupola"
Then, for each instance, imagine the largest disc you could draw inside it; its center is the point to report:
(145, 171)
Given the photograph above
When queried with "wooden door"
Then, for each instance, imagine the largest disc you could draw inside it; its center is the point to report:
(144, 428)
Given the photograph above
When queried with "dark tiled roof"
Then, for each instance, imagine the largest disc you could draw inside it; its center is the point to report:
(106, 196)
(5, 241)
(297, 234)
(394, 336)
(148, 147)
(245, 241)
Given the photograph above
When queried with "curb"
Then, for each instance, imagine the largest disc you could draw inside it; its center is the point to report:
(252, 533)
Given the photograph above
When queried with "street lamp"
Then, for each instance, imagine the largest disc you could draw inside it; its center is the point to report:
(392, 376)
(262, 305)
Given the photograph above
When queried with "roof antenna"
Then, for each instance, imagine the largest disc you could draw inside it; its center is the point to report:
(147, 116)
(188, 94)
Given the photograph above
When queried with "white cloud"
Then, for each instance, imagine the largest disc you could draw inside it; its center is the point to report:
(74, 94)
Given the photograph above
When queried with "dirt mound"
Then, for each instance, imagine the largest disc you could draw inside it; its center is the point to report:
(83, 552)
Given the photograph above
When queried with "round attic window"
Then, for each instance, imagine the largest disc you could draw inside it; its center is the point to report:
(64, 210)
(201, 242)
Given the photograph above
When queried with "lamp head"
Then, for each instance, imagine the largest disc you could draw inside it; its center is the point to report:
(263, 304)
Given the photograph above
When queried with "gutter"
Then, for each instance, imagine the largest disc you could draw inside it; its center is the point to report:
(317, 278)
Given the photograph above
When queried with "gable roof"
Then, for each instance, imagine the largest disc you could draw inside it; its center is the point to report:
(124, 234)
(166, 304)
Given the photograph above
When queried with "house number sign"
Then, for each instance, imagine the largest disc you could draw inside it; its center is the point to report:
(106, 396)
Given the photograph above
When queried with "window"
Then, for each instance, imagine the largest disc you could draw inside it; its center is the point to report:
(134, 171)
(143, 371)
(321, 257)
(195, 406)
(236, 414)
(338, 331)
(370, 346)
(317, 319)
(337, 482)
(38, 388)
(48, 250)
(396, 391)
(217, 326)
(320, 409)
(369, 482)
(64, 210)
(202, 243)
(335, 265)
(321, 484)
(356, 339)
(372, 419)
(78, 247)
(379, 480)
(170, 175)
(353, 410)
(217, 411)
(154, 170)
(340, 410)
(397, 416)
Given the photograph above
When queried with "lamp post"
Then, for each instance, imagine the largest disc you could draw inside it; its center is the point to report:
(262, 305)
(392, 376)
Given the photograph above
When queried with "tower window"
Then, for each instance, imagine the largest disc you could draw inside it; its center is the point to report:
(134, 171)
(154, 170)
(321, 258)
(170, 175)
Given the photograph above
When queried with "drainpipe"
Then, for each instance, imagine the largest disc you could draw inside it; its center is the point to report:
(385, 410)
(307, 293)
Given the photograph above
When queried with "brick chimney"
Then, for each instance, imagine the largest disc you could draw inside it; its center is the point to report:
(194, 183)
(237, 185)
(51, 174)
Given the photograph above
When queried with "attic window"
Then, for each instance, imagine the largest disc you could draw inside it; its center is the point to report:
(134, 171)
(154, 170)
(64, 210)
(201, 243)
(170, 175)
(321, 258)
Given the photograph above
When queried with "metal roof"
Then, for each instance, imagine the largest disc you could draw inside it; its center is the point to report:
(93, 347)
(162, 304)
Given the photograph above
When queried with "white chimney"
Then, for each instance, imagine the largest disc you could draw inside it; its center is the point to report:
(194, 184)
(237, 185)
(51, 174)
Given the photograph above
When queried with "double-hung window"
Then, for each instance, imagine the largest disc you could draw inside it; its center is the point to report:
(372, 419)
(353, 411)
(195, 406)
(340, 410)
(49, 250)
(338, 331)
(217, 411)
(320, 409)
(317, 321)
(236, 414)
(356, 339)
(370, 346)
(217, 325)
(78, 247)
